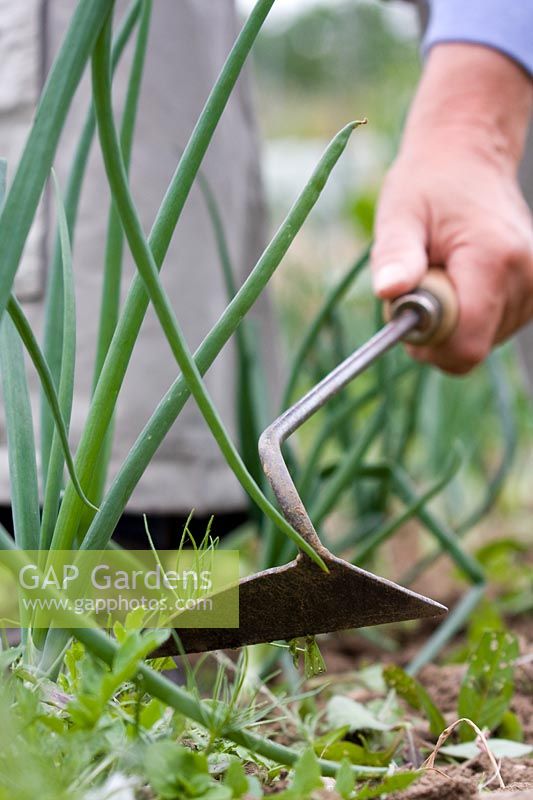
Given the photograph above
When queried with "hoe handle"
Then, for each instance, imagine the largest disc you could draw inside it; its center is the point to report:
(435, 300)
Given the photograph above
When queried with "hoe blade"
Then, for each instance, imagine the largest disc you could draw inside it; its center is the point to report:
(298, 599)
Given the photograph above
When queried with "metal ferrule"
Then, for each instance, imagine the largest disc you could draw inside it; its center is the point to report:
(429, 312)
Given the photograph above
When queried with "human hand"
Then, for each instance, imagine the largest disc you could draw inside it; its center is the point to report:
(452, 199)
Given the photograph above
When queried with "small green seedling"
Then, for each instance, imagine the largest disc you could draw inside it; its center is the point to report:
(313, 662)
(488, 687)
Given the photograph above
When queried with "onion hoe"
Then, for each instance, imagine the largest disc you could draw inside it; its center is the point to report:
(300, 598)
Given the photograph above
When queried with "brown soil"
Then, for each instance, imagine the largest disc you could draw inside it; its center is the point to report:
(468, 780)
(346, 652)
(440, 786)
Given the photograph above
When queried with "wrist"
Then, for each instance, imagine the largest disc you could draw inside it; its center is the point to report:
(472, 95)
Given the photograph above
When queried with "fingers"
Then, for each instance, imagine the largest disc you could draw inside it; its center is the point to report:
(399, 254)
(481, 295)
(440, 214)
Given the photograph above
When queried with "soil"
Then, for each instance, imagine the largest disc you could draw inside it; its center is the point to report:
(472, 780)
(467, 781)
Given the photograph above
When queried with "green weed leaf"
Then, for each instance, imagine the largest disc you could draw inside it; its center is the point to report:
(236, 780)
(486, 617)
(177, 773)
(8, 657)
(394, 783)
(314, 663)
(134, 649)
(415, 695)
(99, 685)
(344, 712)
(152, 713)
(306, 778)
(357, 754)
(510, 727)
(500, 748)
(345, 783)
(488, 686)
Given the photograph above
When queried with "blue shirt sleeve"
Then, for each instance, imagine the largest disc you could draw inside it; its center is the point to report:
(505, 25)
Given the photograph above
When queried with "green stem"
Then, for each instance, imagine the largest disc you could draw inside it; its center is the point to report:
(27, 336)
(53, 312)
(110, 305)
(331, 424)
(249, 395)
(412, 409)
(36, 160)
(446, 538)
(172, 403)
(168, 692)
(376, 538)
(136, 304)
(20, 440)
(503, 400)
(111, 285)
(54, 480)
(502, 388)
(147, 267)
(344, 473)
(330, 302)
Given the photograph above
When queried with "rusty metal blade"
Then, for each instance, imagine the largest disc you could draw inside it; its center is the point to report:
(299, 599)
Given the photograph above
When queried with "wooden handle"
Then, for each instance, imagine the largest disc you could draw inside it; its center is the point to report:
(439, 316)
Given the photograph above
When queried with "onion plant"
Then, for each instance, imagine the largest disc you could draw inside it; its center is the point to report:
(78, 512)
(81, 512)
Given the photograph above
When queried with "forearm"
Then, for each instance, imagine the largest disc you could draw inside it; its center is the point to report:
(470, 90)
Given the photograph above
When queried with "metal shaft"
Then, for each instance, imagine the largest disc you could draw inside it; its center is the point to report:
(349, 369)
(273, 437)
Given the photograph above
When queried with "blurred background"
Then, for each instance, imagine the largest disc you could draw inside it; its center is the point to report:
(317, 65)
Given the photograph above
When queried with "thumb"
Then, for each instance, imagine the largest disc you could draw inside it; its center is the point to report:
(399, 258)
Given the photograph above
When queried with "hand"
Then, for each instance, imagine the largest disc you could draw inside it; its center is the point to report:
(452, 199)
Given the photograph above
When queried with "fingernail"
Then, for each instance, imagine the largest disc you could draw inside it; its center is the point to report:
(389, 277)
